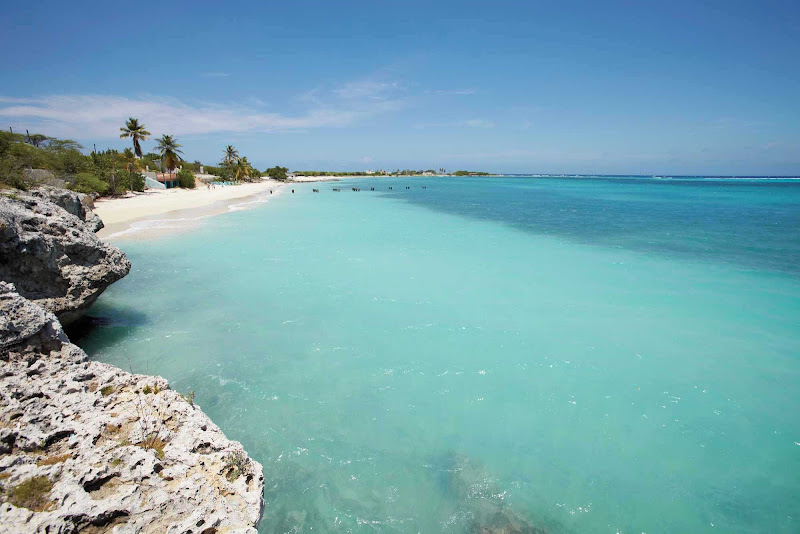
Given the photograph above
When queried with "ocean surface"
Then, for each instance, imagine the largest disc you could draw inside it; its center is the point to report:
(577, 355)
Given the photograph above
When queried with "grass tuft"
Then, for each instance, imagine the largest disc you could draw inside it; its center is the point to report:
(189, 397)
(154, 443)
(236, 465)
(32, 494)
(54, 460)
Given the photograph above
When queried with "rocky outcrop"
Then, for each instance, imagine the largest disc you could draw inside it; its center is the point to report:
(78, 204)
(49, 250)
(87, 447)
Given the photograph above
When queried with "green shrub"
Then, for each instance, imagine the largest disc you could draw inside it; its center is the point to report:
(236, 465)
(186, 178)
(87, 182)
(137, 181)
(10, 176)
(277, 173)
(129, 181)
(189, 397)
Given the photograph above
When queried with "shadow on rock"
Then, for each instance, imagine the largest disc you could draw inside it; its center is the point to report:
(103, 331)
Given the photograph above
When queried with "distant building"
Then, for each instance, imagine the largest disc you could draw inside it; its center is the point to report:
(169, 179)
(150, 181)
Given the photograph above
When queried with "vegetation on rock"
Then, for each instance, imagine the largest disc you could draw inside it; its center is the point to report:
(32, 494)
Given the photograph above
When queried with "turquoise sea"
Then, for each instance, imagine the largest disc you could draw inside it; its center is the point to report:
(593, 355)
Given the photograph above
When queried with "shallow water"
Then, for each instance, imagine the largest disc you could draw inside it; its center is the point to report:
(579, 355)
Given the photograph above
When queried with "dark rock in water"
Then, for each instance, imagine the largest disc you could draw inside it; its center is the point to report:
(504, 522)
(49, 251)
(482, 504)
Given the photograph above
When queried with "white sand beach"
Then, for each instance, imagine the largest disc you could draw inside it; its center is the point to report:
(121, 213)
(171, 210)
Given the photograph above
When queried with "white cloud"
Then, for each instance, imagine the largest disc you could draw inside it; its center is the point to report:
(368, 89)
(470, 123)
(454, 92)
(100, 116)
(478, 123)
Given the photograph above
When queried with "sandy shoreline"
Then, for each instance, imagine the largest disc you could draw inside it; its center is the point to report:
(134, 211)
(174, 210)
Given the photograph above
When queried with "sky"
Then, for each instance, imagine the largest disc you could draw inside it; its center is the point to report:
(636, 87)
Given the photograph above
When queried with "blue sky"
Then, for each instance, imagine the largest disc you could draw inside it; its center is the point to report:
(527, 86)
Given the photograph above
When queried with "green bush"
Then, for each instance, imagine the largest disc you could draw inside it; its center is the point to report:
(192, 166)
(137, 181)
(278, 173)
(69, 162)
(186, 178)
(87, 182)
(11, 176)
(129, 181)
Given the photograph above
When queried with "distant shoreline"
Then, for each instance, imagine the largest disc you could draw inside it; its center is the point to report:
(158, 212)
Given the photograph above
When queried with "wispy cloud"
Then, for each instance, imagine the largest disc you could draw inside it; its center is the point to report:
(369, 90)
(549, 156)
(100, 116)
(469, 123)
(453, 92)
(478, 123)
(215, 74)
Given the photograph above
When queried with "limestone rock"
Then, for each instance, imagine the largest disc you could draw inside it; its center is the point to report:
(24, 326)
(118, 451)
(78, 204)
(49, 250)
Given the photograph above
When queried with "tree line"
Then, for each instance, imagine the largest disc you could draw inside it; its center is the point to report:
(30, 159)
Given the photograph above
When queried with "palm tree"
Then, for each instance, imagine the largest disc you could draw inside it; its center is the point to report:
(231, 155)
(129, 159)
(135, 131)
(241, 169)
(170, 150)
